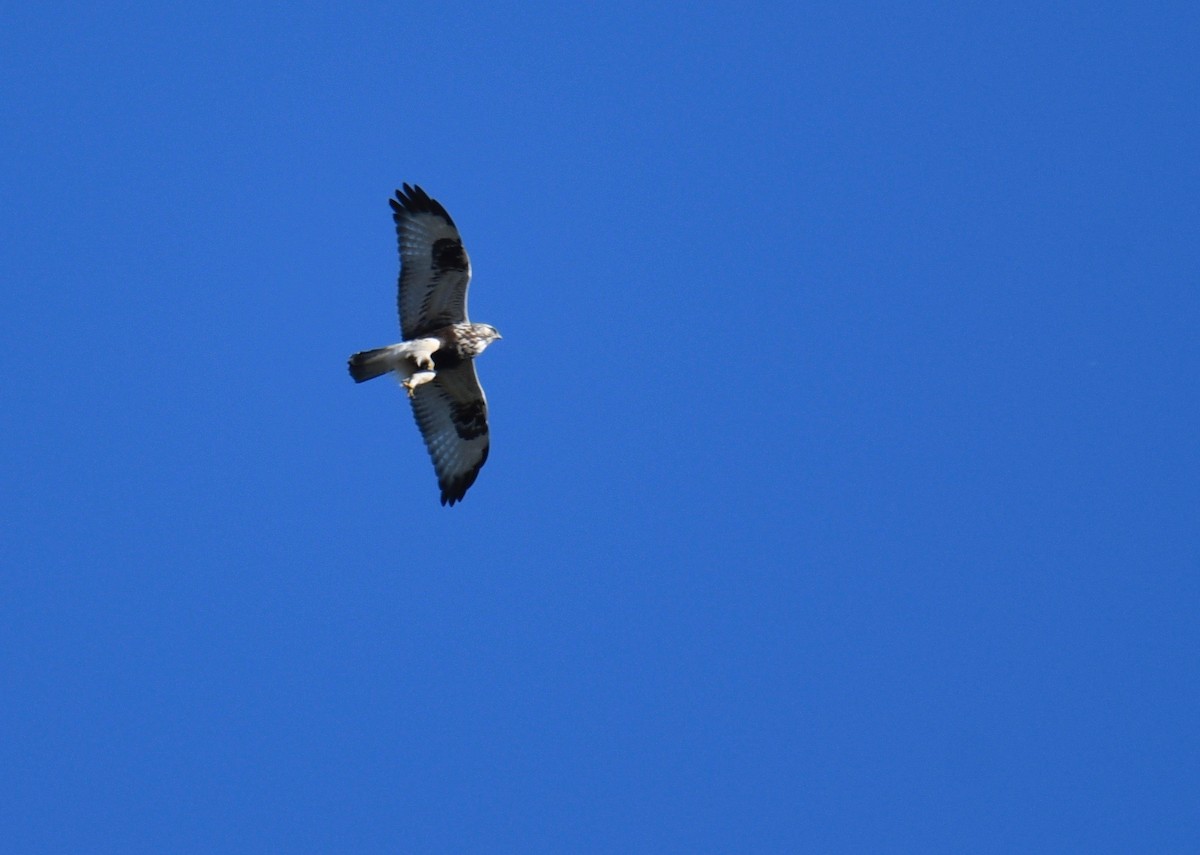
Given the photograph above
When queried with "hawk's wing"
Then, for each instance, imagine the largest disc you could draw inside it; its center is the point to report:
(434, 268)
(451, 412)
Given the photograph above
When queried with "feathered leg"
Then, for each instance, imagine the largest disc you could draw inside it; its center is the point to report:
(415, 379)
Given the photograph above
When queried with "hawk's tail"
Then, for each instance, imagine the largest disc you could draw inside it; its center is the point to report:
(370, 364)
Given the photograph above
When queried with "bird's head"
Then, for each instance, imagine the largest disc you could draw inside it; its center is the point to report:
(481, 335)
(488, 333)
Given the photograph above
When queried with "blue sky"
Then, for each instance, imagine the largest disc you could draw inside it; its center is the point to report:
(843, 493)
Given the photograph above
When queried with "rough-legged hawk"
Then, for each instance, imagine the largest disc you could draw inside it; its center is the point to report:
(436, 360)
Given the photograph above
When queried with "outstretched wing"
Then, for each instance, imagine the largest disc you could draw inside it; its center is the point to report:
(451, 412)
(434, 268)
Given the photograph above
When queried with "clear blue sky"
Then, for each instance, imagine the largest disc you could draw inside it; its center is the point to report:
(844, 489)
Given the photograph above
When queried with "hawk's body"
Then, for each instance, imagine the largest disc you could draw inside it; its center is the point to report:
(436, 359)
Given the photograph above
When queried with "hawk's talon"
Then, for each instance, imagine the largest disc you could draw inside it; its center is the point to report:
(412, 381)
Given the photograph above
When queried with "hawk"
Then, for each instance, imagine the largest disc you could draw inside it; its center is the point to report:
(435, 362)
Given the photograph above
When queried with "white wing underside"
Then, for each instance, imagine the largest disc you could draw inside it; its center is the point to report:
(430, 296)
(451, 412)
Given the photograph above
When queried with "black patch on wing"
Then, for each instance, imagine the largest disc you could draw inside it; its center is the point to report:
(470, 419)
(448, 254)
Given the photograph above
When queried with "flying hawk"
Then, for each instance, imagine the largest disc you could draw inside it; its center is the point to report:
(436, 360)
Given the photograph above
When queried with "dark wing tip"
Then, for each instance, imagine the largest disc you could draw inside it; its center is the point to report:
(454, 490)
(411, 199)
